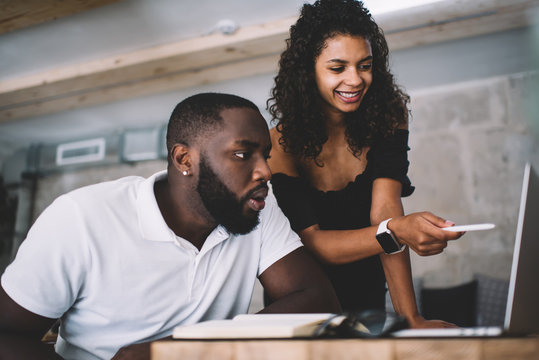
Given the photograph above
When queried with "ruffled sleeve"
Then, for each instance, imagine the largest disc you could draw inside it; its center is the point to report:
(294, 198)
(389, 157)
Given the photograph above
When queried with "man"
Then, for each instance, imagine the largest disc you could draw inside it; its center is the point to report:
(126, 261)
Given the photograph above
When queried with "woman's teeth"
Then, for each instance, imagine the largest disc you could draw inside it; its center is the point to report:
(348, 94)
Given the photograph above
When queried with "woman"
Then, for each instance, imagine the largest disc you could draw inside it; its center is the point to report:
(339, 158)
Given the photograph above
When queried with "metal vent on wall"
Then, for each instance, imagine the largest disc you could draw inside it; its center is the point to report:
(45, 158)
(80, 152)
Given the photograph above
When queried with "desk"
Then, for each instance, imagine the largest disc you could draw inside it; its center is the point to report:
(362, 349)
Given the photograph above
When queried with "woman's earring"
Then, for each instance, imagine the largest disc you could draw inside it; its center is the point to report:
(185, 172)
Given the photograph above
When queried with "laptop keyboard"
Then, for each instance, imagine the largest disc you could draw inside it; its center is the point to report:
(480, 331)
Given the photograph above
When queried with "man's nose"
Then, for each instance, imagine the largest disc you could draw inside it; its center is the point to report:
(262, 171)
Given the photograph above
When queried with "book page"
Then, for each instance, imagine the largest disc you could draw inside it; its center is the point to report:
(253, 326)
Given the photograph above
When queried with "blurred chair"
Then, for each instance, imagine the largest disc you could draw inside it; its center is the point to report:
(455, 304)
(491, 300)
(480, 302)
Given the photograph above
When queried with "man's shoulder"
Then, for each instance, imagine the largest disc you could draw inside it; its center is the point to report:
(95, 208)
(105, 189)
(122, 193)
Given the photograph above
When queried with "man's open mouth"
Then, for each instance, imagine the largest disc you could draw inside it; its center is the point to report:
(257, 198)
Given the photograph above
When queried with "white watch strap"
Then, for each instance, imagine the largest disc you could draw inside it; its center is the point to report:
(382, 227)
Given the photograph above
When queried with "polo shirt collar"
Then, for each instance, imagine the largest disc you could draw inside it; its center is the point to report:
(151, 223)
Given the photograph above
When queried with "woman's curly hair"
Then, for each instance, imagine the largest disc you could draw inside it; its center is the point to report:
(295, 104)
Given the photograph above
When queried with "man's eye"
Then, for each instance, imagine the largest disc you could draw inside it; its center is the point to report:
(241, 154)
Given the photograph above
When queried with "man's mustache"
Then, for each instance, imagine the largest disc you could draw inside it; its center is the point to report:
(262, 186)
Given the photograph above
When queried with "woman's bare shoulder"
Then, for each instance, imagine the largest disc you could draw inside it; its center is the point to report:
(404, 125)
(281, 161)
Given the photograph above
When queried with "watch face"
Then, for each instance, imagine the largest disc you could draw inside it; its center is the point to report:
(387, 243)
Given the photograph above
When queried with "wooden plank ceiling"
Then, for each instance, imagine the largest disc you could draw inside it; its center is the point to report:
(18, 14)
(251, 50)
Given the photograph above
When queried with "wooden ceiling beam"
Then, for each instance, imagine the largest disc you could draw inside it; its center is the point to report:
(18, 14)
(168, 82)
(474, 19)
(451, 20)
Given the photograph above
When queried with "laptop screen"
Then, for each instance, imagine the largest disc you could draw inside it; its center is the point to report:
(522, 312)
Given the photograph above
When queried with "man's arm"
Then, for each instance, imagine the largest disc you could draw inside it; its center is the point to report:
(297, 284)
(21, 332)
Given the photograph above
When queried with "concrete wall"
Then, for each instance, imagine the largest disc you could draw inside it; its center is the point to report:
(469, 143)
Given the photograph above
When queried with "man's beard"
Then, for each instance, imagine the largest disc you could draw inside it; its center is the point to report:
(222, 204)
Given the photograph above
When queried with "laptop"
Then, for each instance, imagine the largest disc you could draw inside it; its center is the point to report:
(522, 308)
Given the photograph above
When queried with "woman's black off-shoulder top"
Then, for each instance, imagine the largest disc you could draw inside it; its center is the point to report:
(359, 285)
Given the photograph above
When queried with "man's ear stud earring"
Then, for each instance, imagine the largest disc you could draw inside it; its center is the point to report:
(185, 172)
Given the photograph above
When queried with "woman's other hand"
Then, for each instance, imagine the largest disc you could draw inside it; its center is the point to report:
(419, 322)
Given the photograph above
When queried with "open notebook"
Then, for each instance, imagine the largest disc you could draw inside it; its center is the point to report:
(522, 309)
(249, 326)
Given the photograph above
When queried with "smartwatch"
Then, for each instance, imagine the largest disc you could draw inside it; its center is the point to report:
(387, 240)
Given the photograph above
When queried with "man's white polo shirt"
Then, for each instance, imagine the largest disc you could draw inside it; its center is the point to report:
(102, 258)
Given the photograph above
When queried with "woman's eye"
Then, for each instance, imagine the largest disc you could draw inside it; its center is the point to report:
(337, 69)
(365, 66)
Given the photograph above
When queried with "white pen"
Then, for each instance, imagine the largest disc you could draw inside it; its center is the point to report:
(472, 227)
